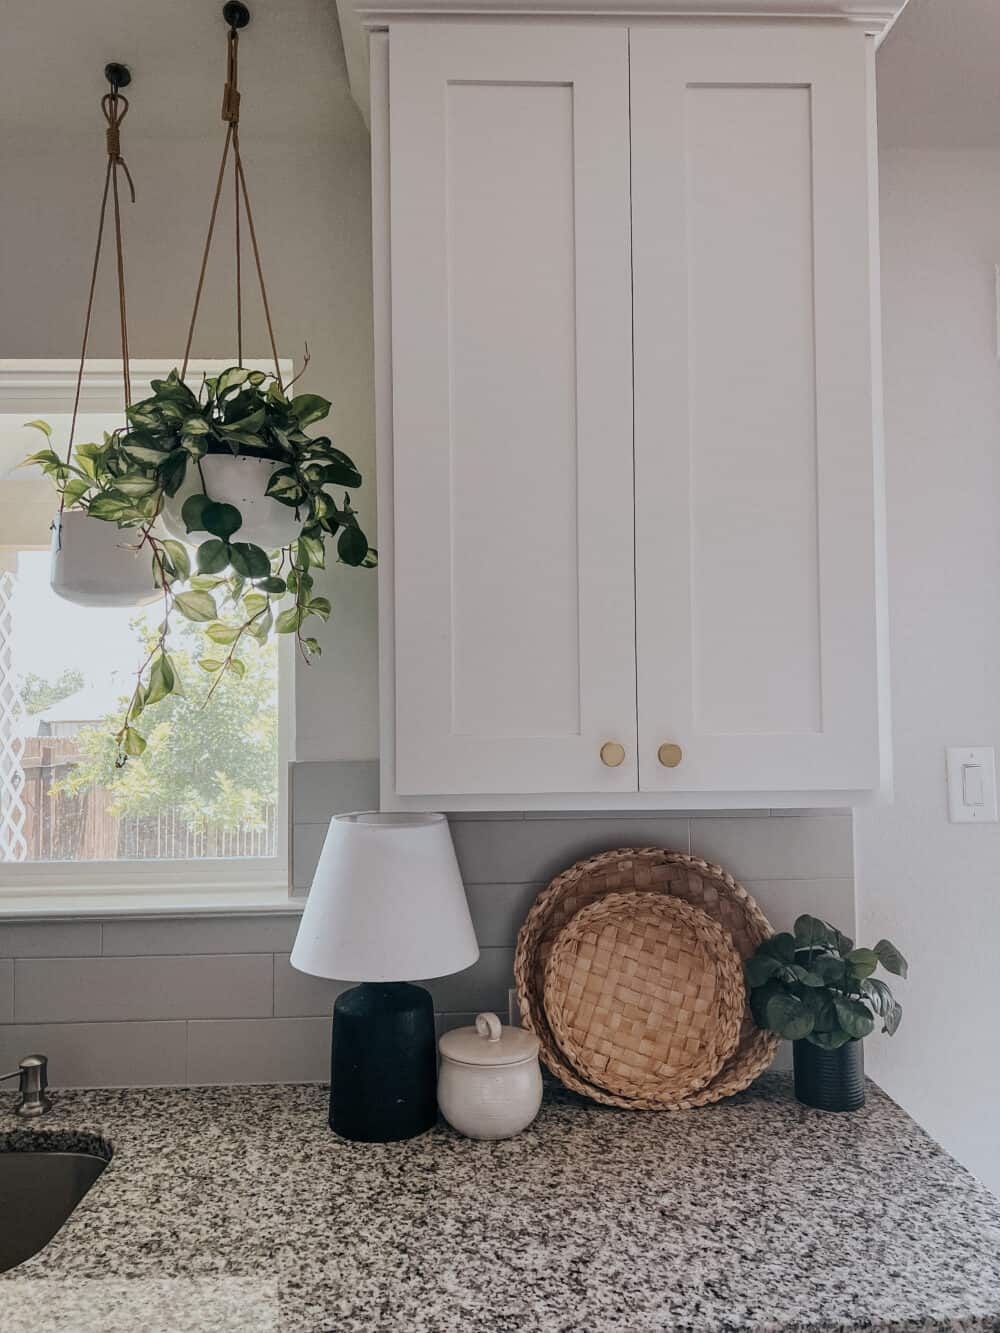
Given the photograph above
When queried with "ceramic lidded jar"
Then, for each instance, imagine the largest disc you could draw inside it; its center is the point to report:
(490, 1083)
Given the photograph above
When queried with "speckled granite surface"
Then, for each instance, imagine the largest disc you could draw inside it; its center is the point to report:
(237, 1208)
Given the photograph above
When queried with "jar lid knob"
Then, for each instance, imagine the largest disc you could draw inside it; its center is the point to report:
(489, 1026)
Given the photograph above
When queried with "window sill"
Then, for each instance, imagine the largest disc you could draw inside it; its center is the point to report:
(139, 902)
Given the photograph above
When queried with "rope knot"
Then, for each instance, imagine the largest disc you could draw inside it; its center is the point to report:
(114, 141)
(231, 96)
(231, 104)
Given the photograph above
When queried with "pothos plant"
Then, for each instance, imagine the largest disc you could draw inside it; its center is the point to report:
(814, 985)
(236, 590)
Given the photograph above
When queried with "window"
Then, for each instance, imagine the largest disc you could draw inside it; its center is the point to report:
(206, 804)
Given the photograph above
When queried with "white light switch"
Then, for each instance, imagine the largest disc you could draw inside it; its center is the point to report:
(972, 785)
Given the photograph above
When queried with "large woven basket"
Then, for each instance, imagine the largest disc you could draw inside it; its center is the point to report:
(643, 870)
(644, 995)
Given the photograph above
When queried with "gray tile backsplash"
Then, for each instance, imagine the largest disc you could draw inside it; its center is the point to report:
(50, 939)
(259, 1050)
(298, 995)
(139, 1001)
(6, 990)
(200, 935)
(101, 1055)
(52, 990)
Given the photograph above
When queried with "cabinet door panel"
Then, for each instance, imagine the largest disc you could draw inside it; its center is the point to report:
(514, 588)
(754, 420)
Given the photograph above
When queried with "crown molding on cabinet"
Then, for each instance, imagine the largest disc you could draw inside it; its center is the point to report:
(358, 17)
(873, 15)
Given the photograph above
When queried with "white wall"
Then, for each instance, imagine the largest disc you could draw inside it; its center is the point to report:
(931, 886)
(309, 184)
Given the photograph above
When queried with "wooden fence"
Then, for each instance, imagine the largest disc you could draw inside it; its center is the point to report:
(59, 827)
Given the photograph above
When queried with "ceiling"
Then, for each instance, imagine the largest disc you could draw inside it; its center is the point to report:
(53, 54)
(939, 76)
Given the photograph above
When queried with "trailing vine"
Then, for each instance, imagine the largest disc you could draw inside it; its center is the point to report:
(234, 589)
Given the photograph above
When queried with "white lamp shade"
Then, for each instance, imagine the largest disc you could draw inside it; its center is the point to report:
(387, 902)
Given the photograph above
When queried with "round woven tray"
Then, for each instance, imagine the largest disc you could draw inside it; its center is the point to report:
(644, 995)
(644, 870)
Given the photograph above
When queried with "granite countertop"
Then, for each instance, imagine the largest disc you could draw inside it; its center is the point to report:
(237, 1208)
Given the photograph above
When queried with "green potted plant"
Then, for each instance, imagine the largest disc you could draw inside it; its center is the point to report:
(818, 991)
(92, 564)
(231, 472)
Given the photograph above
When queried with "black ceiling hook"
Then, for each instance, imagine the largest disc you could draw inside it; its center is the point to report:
(119, 76)
(236, 14)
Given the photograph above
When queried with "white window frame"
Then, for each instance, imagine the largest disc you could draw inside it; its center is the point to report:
(40, 386)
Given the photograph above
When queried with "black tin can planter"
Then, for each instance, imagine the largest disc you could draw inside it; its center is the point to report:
(830, 1080)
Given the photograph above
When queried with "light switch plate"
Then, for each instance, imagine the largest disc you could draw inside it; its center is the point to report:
(972, 784)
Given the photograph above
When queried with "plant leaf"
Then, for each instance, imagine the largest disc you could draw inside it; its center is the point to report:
(811, 933)
(879, 996)
(829, 1041)
(196, 605)
(893, 1019)
(43, 426)
(862, 962)
(249, 560)
(312, 549)
(853, 1016)
(132, 743)
(209, 664)
(789, 1017)
(161, 679)
(221, 520)
(179, 558)
(760, 969)
(213, 556)
(832, 969)
(288, 621)
(807, 978)
(352, 546)
(230, 380)
(308, 407)
(781, 946)
(260, 627)
(319, 606)
(890, 958)
(193, 512)
(272, 585)
(135, 486)
(219, 632)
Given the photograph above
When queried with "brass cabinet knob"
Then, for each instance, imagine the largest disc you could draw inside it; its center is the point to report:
(670, 755)
(612, 754)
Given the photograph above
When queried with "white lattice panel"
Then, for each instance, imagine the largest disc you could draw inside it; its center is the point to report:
(13, 844)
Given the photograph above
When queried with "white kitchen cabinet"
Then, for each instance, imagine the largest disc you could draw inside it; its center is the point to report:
(594, 597)
(755, 479)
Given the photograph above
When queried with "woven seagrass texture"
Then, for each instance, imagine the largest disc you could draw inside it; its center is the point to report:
(649, 870)
(644, 995)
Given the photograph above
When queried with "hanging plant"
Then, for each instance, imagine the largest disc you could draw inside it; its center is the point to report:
(90, 565)
(238, 590)
(229, 471)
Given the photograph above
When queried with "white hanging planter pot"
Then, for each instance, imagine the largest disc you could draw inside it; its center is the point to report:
(93, 566)
(238, 480)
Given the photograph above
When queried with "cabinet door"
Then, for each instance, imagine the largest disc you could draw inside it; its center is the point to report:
(755, 475)
(512, 405)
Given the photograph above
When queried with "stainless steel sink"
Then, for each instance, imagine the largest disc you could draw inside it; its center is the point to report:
(38, 1191)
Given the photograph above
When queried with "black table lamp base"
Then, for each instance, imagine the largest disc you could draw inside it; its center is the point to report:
(383, 1074)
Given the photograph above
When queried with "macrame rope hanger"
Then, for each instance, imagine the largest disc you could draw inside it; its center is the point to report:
(237, 16)
(115, 109)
